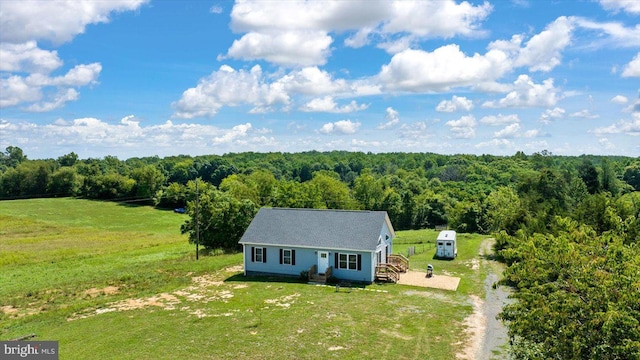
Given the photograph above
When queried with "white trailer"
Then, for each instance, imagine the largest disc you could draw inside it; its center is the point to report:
(446, 245)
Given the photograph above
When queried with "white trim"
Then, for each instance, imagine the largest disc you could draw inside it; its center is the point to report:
(290, 256)
(348, 255)
(244, 258)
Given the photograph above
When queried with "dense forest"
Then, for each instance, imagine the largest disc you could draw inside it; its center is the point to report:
(568, 228)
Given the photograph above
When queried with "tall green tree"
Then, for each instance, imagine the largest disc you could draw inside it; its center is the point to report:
(589, 174)
(148, 180)
(217, 220)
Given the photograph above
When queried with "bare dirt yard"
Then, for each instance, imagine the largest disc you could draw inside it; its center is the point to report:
(437, 281)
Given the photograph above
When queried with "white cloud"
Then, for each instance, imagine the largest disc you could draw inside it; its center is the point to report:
(430, 19)
(606, 143)
(29, 69)
(130, 137)
(455, 104)
(586, 114)
(442, 69)
(464, 128)
(495, 143)
(531, 133)
(526, 93)
(632, 68)
(284, 48)
(542, 51)
(27, 20)
(228, 87)
(18, 90)
(416, 130)
(297, 33)
(359, 39)
(500, 119)
(58, 101)
(619, 99)
(238, 131)
(628, 127)
(392, 119)
(14, 90)
(616, 33)
(327, 104)
(312, 81)
(216, 9)
(551, 114)
(508, 131)
(630, 6)
(27, 57)
(340, 127)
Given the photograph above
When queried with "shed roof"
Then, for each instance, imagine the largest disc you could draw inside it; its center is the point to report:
(326, 229)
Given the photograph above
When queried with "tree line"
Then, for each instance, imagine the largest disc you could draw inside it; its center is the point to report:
(469, 193)
(568, 227)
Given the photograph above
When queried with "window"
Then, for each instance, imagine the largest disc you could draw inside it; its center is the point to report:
(348, 261)
(440, 243)
(258, 254)
(287, 256)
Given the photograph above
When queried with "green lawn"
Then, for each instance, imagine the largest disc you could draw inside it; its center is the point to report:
(119, 282)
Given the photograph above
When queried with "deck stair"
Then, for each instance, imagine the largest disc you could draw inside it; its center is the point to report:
(387, 272)
(391, 270)
(399, 261)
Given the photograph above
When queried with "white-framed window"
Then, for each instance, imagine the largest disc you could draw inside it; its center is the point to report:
(287, 256)
(258, 254)
(348, 261)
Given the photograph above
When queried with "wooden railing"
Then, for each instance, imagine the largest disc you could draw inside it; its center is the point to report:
(387, 272)
(399, 261)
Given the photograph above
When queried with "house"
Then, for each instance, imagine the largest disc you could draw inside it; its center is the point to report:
(347, 244)
(446, 245)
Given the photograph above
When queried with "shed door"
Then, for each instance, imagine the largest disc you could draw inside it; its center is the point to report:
(323, 261)
(448, 249)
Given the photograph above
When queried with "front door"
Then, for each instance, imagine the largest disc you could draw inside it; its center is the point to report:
(323, 261)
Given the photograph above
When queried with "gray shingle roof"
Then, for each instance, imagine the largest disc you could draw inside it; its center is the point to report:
(331, 229)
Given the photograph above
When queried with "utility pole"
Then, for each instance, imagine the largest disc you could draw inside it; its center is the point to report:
(197, 219)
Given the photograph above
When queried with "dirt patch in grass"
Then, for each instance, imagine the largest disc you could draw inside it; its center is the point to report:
(419, 278)
(396, 335)
(283, 301)
(234, 269)
(201, 292)
(16, 312)
(94, 292)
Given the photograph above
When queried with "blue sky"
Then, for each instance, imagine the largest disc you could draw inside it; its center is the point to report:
(135, 78)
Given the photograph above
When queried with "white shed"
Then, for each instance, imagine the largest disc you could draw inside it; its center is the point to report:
(446, 246)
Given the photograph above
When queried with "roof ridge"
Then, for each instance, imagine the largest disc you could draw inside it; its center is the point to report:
(323, 210)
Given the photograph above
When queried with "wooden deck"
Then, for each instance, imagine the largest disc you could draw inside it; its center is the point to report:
(391, 270)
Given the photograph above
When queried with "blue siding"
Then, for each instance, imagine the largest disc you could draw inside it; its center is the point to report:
(304, 258)
(367, 272)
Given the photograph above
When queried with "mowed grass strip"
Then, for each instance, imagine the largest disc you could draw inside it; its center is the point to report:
(119, 291)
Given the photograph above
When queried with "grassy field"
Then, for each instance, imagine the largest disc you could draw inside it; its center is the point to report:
(119, 282)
